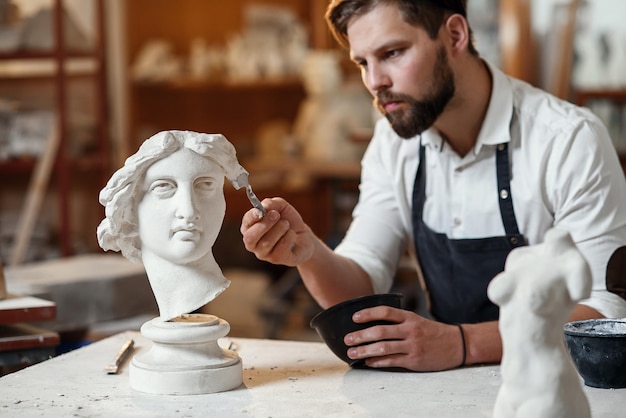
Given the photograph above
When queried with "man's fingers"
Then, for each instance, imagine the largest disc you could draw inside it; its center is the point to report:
(379, 313)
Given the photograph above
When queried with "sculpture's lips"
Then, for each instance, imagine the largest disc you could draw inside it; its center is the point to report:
(186, 231)
(185, 234)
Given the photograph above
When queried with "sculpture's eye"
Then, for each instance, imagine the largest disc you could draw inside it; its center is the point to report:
(162, 188)
(205, 184)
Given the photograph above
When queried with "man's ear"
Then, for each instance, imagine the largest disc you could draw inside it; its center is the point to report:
(457, 29)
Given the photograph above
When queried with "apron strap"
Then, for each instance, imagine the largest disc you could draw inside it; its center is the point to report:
(419, 187)
(505, 198)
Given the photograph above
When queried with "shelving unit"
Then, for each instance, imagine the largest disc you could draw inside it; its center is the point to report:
(235, 109)
(53, 87)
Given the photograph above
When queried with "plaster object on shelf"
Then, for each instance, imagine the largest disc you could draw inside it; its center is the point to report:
(165, 208)
(272, 44)
(38, 30)
(33, 30)
(28, 133)
(331, 112)
(537, 291)
(204, 61)
(40, 245)
(156, 62)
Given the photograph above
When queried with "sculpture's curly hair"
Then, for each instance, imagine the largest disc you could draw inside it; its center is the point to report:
(118, 231)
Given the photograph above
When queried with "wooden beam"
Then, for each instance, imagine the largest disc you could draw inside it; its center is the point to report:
(3, 285)
(35, 195)
(517, 44)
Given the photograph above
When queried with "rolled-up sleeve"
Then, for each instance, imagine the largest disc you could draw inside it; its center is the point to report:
(588, 192)
(378, 236)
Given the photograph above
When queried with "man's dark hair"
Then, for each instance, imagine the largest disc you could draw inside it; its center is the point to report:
(429, 14)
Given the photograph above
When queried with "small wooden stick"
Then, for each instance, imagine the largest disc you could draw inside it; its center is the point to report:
(35, 196)
(114, 367)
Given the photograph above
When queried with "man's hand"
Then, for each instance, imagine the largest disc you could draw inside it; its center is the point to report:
(411, 342)
(280, 237)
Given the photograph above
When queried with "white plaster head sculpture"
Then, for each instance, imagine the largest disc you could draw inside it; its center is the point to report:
(536, 293)
(165, 208)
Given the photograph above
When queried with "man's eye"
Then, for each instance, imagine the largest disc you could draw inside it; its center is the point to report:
(392, 53)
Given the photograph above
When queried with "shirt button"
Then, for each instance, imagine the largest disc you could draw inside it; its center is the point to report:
(504, 194)
(457, 221)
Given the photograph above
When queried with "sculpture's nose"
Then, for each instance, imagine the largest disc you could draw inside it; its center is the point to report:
(186, 207)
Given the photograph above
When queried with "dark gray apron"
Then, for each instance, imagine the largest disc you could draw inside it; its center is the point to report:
(457, 271)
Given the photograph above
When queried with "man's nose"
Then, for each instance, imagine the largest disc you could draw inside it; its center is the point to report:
(376, 79)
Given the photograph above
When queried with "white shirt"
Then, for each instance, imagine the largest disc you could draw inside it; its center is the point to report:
(565, 174)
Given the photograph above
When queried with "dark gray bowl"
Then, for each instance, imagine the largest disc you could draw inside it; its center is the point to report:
(335, 322)
(598, 350)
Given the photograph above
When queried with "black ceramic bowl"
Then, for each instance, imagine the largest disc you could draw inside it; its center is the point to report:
(598, 350)
(335, 322)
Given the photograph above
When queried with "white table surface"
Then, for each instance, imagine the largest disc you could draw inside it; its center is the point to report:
(280, 379)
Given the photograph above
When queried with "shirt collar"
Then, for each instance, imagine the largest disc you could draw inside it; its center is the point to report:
(496, 126)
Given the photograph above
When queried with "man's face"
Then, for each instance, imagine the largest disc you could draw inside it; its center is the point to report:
(407, 72)
(183, 206)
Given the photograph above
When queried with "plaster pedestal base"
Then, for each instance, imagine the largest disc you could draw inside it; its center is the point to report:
(185, 358)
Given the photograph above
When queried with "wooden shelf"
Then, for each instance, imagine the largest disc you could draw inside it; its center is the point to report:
(239, 110)
(20, 70)
(614, 95)
(23, 336)
(188, 83)
(80, 164)
(17, 165)
(46, 77)
(44, 54)
(16, 309)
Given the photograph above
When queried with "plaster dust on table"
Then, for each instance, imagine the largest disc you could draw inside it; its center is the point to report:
(309, 382)
(326, 386)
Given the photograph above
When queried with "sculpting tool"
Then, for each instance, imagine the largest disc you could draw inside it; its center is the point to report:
(242, 180)
(114, 367)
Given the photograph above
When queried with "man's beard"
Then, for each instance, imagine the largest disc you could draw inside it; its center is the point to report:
(421, 114)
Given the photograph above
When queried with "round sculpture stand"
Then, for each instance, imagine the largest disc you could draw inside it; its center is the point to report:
(185, 358)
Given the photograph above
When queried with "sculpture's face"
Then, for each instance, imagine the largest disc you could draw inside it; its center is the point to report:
(182, 208)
